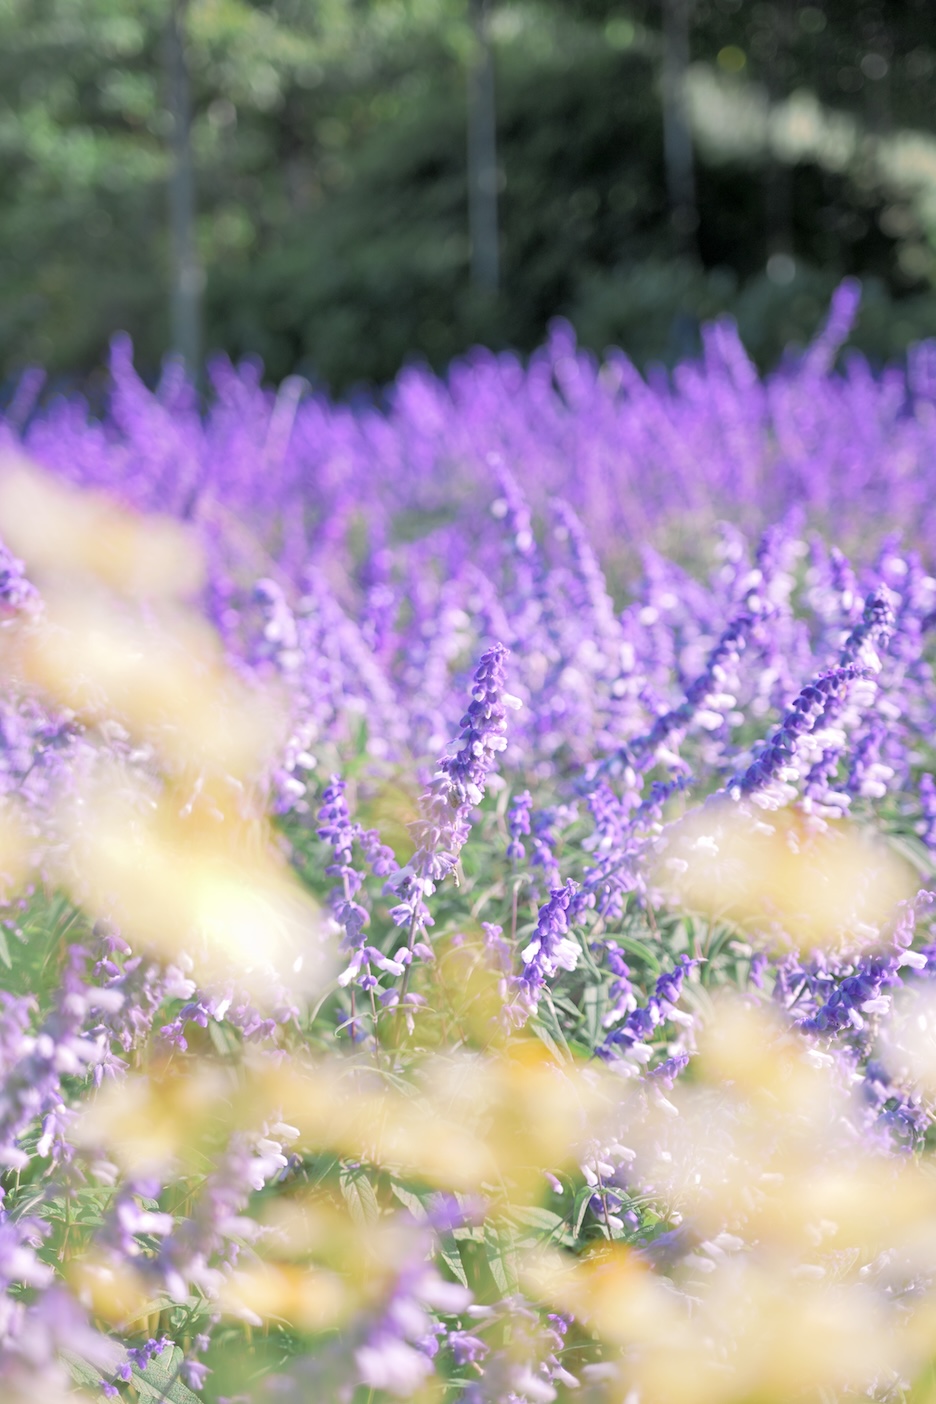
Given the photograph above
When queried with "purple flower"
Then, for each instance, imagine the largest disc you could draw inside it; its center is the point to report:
(456, 789)
(550, 948)
(642, 1021)
(467, 1349)
(518, 825)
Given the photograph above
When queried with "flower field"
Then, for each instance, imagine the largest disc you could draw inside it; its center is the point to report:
(466, 865)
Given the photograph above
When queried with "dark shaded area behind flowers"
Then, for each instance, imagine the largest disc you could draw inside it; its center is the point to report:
(330, 159)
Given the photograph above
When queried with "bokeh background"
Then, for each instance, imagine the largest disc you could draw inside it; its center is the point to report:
(339, 186)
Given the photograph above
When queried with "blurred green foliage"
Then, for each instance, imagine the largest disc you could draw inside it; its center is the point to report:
(329, 140)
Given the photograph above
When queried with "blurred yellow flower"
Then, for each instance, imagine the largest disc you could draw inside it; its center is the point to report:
(207, 886)
(164, 677)
(308, 1298)
(59, 530)
(784, 878)
(154, 1123)
(110, 1288)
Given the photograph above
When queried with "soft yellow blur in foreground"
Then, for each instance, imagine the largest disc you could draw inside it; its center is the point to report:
(799, 1236)
(114, 639)
(801, 1240)
(491, 1122)
(319, 1265)
(110, 1287)
(162, 676)
(62, 531)
(164, 1122)
(749, 1333)
(186, 867)
(907, 1042)
(309, 1299)
(17, 851)
(207, 886)
(464, 1123)
(763, 1145)
(484, 1125)
(785, 880)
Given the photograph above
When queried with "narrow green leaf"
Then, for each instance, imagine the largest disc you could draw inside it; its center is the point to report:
(452, 1260)
(587, 961)
(641, 949)
(912, 850)
(582, 1200)
(546, 1038)
(360, 1197)
(496, 1261)
(595, 1004)
(547, 1028)
(546, 1220)
(409, 1200)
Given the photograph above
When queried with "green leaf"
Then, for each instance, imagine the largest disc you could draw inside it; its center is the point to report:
(220, 1036)
(84, 1375)
(595, 1003)
(160, 1380)
(718, 941)
(360, 1197)
(548, 1030)
(912, 850)
(452, 1260)
(498, 1269)
(582, 1200)
(536, 1217)
(550, 1224)
(409, 1200)
(587, 960)
(546, 1038)
(641, 949)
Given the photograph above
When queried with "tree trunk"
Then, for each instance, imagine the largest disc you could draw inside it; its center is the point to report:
(186, 278)
(778, 194)
(677, 138)
(482, 158)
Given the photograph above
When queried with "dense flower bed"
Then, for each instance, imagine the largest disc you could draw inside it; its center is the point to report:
(569, 1031)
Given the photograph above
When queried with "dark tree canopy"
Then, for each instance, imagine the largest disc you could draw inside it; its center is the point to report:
(329, 149)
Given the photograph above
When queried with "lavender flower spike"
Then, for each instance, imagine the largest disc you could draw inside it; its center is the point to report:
(550, 948)
(456, 788)
(483, 732)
